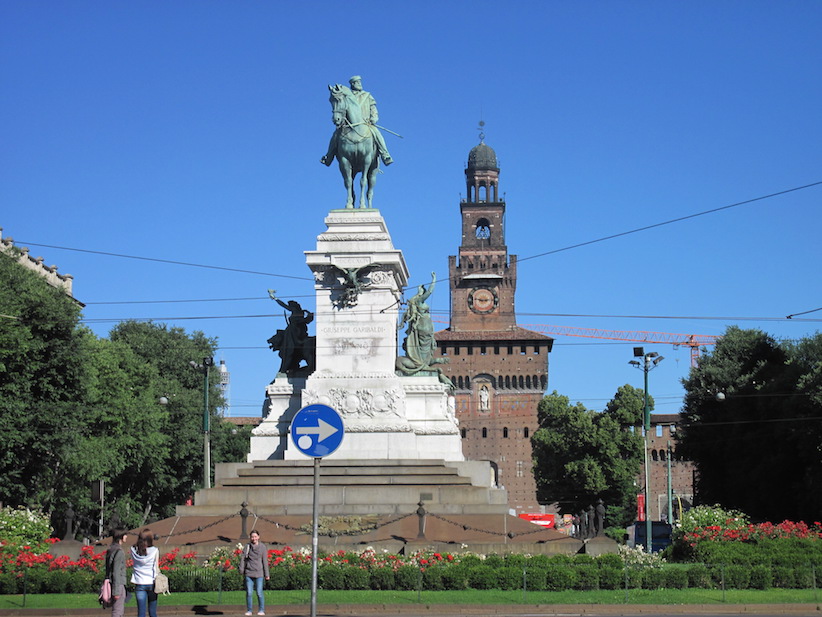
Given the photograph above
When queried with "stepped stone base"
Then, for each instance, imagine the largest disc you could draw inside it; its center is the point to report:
(351, 487)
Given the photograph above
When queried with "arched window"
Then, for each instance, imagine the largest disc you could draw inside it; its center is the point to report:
(528, 381)
(483, 229)
(543, 381)
(484, 432)
(463, 432)
(662, 455)
(508, 382)
(505, 432)
(521, 383)
(654, 455)
(526, 432)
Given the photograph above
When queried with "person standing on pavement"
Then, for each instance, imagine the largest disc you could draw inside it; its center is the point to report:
(254, 567)
(146, 560)
(116, 571)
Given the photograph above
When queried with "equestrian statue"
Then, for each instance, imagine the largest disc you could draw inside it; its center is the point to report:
(357, 142)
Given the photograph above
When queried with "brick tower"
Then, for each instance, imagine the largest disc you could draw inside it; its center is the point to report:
(499, 369)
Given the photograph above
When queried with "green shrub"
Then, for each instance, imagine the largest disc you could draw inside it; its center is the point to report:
(587, 576)
(535, 579)
(737, 577)
(331, 576)
(581, 558)
(516, 559)
(455, 577)
(83, 582)
(509, 578)
(279, 577)
(674, 577)
(482, 577)
(407, 577)
(183, 579)
(699, 576)
(539, 561)
(784, 577)
(57, 581)
(804, 577)
(653, 578)
(633, 576)
(382, 578)
(559, 578)
(234, 581)
(470, 559)
(494, 561)
(611, 578)
(299, 577)
(432, 579)
(356, 578)
(560, 559)
(609, 560)
(761, 577)
(10, 584)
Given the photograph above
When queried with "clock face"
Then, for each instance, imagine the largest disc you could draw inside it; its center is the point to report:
(483, 300)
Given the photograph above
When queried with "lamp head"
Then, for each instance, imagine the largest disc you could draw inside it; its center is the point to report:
(639, 352)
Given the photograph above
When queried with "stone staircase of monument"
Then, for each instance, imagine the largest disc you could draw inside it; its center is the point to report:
(351, 487)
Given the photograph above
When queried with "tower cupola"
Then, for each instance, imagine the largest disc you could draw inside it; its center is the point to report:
(482, 173)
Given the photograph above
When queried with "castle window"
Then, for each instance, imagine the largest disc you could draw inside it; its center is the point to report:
(520, 469)
(483, 229)
(444, 350)
(496, 350)
(463, 433)
(654, 455)
(482, 350)
(526, 432)
(470, 350)
(659, 430)
(505, 432)
(484, 432)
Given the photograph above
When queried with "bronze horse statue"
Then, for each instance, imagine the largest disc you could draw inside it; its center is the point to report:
(356, 147)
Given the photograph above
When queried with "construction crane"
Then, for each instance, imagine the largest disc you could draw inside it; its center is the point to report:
(693, 341)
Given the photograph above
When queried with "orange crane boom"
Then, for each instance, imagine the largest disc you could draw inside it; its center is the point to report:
(693, 341)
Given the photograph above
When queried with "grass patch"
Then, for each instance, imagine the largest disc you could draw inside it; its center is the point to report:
(469, 596)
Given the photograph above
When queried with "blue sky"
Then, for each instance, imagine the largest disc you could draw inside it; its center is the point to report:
(192, 132)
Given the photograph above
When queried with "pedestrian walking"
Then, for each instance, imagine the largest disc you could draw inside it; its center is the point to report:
(146, 560)
(116, 571)
(254, 567)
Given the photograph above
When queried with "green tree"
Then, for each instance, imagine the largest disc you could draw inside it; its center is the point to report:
(581, 455)
(169, 352)
(756, 447)
(40, 382)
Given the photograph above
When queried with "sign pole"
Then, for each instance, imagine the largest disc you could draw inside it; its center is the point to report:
(314, 534)
(316, 431)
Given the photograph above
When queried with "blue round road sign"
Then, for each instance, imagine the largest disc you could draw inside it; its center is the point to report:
(317, 430)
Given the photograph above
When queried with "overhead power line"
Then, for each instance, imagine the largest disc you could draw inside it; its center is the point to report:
(166, 261)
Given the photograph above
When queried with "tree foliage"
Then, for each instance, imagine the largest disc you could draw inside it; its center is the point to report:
(757, 449)
(581, 455)
(76, 409)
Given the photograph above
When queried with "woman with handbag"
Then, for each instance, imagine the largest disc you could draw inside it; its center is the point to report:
(116, 572)
(146, 560)
(254, 566)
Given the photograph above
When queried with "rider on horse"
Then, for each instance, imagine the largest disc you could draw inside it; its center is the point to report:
(369, 112)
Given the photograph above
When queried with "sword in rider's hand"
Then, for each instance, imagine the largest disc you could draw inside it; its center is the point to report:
(389, 131)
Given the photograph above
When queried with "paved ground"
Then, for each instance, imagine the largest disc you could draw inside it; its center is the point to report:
(441, 610)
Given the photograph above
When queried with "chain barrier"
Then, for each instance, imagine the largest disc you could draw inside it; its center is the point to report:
(200, 528)
(332, 533)
(510, 534)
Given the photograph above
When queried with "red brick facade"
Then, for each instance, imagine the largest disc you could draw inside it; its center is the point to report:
(500, 370)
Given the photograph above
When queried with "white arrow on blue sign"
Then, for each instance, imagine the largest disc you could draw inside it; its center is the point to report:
(317, 430)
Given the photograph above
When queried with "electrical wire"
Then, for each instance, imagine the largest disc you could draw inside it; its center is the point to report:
(167, 261)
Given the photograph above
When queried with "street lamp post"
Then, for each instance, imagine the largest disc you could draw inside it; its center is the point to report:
(208, 362)
(650, 361)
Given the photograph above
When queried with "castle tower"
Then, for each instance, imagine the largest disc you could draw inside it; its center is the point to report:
(500, 370)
